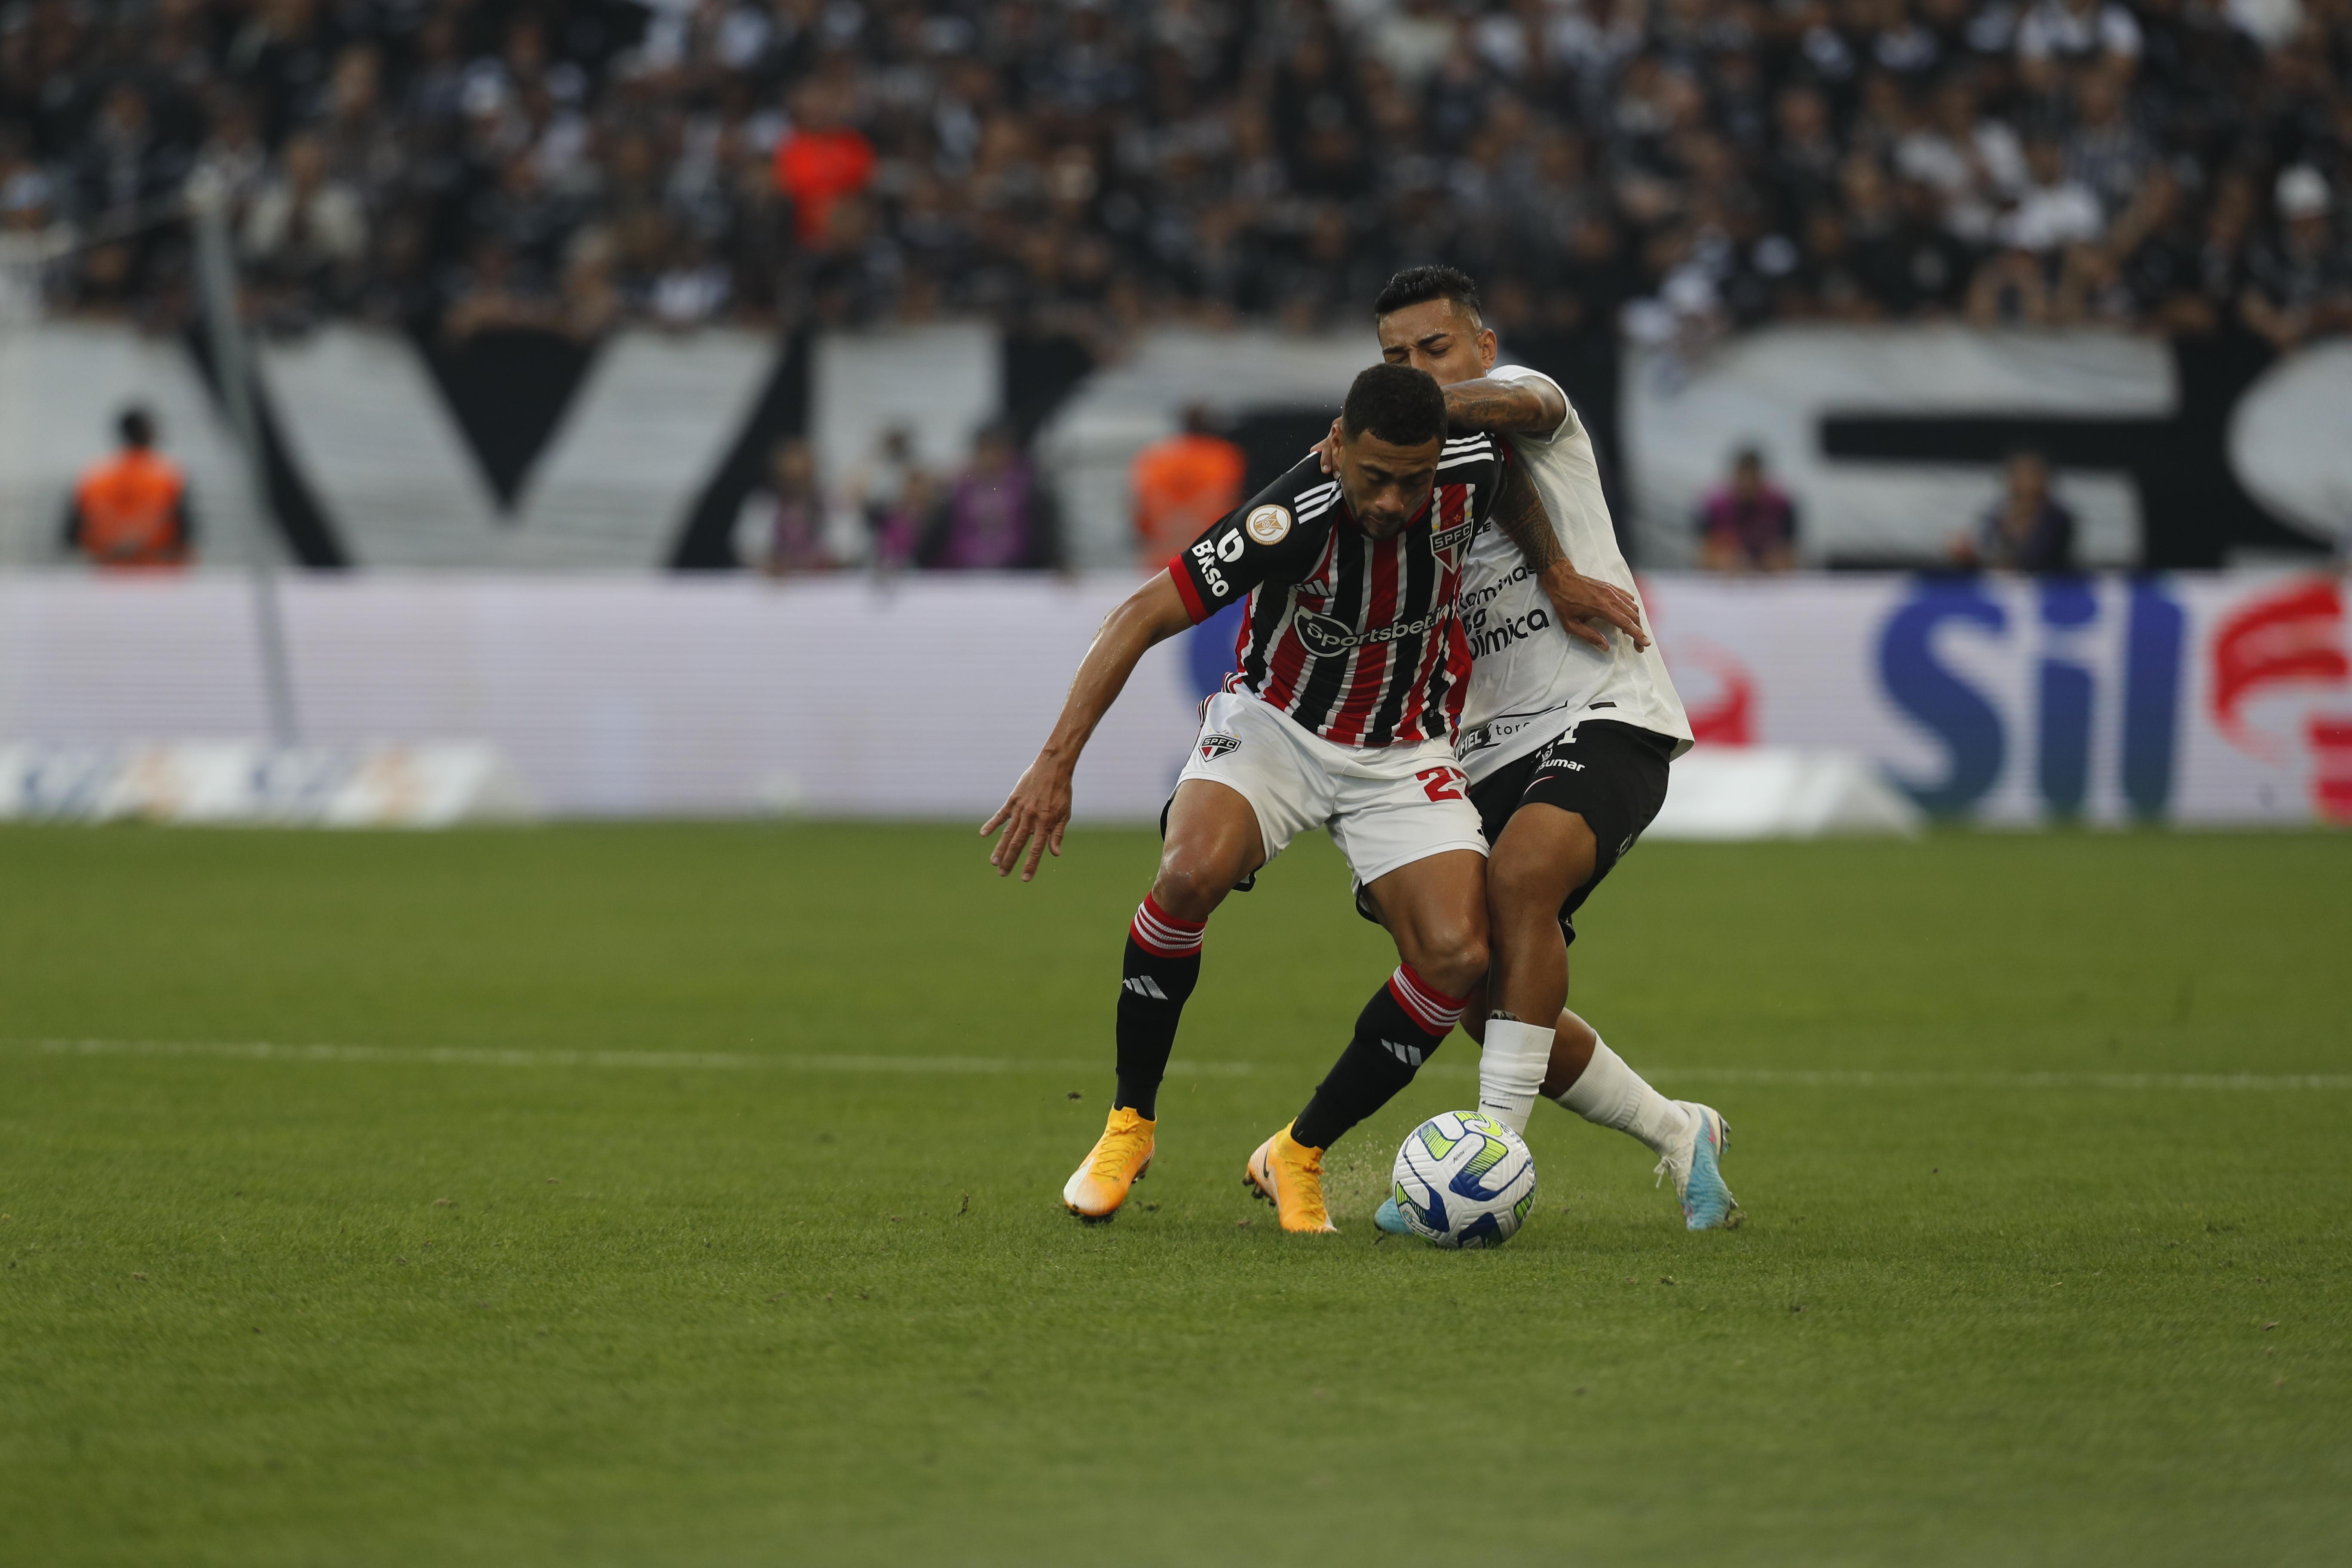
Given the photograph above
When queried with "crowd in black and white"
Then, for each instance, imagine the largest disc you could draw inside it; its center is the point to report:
(1675, 167)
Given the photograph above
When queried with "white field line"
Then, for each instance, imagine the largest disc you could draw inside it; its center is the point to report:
(744, 1061)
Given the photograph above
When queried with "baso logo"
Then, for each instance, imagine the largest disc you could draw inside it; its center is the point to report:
(1226, 548)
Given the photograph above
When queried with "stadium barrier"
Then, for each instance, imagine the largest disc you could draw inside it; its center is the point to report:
(247, 784)
(2219, 699)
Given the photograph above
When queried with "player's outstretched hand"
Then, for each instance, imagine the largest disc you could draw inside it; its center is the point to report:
(1586, 605)
(1034, 817)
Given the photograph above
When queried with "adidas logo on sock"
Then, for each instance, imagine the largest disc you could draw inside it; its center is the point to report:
(1144, 985)
(1409, 1054)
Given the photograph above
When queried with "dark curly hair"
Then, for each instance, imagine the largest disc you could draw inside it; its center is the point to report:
(1400, 405)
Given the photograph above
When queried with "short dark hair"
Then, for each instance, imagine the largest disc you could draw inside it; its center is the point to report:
(1416, 284)
(1402, 406)
(137, 427)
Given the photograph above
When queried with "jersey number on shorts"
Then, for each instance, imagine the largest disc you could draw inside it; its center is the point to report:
(1442, 784)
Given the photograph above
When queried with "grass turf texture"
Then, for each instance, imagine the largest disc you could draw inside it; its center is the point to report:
(402, 1311)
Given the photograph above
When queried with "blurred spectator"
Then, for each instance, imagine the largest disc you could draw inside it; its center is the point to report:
(306, 233)
(131, 513)
(1749, 524)
(1182, 485)
(2299, 279)
(995, 516)
(893, 495)
(2029, 530)
(781, 530)
(822, 159)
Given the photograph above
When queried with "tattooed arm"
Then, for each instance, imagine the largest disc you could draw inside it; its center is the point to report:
(1586, 605)
(1523, 407)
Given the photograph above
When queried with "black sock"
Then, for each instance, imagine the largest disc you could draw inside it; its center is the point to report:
(1164, 960)
(1397, 1030)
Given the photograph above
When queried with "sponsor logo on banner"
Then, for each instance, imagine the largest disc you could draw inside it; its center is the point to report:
(2191, 698)
(1972, 726)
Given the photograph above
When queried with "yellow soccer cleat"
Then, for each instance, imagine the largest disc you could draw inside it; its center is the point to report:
(1117, 1162)
(1289, 1175)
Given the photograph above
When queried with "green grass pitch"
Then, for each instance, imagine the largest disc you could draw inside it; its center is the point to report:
(611, 1234)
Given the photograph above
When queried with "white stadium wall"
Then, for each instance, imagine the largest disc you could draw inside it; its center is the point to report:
(2191, 699)
(390, 480)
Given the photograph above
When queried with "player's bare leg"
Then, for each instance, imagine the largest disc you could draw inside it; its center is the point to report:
(1212, 843)
(1436, 910)
(1544, 855)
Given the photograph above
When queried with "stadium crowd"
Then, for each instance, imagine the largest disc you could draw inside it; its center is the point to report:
(1081, 166)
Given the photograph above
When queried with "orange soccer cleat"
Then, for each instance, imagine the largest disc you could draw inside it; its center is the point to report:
(1117, 1162)
(1289, 1175)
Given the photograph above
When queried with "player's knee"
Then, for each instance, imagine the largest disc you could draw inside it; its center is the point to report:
(1190, 887)
(1452, 957)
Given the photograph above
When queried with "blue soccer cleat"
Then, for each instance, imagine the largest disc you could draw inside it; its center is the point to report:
(1390, 1219)
(1698, 1169)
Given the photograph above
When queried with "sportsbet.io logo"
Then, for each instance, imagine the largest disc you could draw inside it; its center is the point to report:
(1327, 635)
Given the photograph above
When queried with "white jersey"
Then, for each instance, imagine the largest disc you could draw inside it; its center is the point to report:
(1531, 681)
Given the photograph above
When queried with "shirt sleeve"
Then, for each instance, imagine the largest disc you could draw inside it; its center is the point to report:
(1528, 373)
(1261, 540)
(1489, 477)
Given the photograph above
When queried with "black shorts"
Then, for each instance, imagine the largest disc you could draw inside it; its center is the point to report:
(1613, 775)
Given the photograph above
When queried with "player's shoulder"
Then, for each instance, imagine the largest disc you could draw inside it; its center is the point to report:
(1471, 449)
(1305, 495)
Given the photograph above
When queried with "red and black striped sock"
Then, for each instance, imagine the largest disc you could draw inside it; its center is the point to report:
(1164, 960)
(1406, 1021)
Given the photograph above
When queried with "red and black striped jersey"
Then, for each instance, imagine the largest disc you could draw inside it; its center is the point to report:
(1355, 637)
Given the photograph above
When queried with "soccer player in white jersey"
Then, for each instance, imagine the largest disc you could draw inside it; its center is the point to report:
(1567, 733)
(1342, 715)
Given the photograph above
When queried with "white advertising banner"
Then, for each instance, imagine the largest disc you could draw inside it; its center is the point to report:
(2222, 699)
(2194, 698)
(619, 696)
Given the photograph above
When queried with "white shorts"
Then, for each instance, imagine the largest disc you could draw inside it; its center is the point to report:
(1386, 807)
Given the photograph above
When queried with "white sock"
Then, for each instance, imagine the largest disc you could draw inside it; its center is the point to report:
(1612, 1094)
(1511, 1067)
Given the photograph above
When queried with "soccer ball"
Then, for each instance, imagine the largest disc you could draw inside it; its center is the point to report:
(1463, 1179)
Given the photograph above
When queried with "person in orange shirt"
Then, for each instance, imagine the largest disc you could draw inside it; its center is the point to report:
(131, 513)
(1182, 485)
(821, 159)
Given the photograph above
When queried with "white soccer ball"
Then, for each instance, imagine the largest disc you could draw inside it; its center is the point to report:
(1463, 1179)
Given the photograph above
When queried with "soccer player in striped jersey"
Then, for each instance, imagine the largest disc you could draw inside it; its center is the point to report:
(1342, 715)
(1570, 721)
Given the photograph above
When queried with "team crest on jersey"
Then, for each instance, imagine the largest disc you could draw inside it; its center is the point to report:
(1215, 746)
(1439, 544)
(1453, 501)
(1269, 524)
